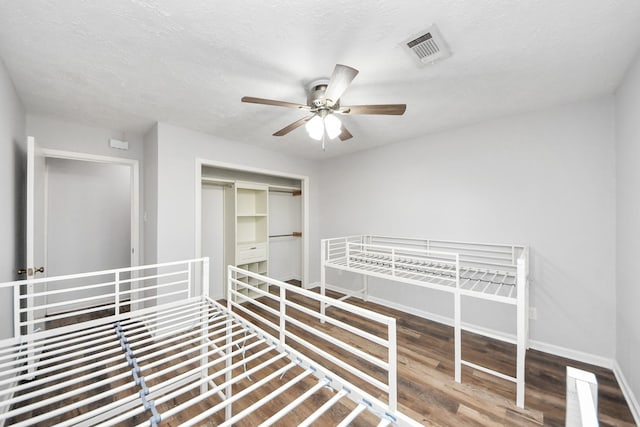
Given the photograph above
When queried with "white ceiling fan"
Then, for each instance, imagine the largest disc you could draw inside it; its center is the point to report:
(323, 101)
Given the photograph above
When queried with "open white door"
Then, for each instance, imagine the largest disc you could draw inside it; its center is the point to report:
(35, 220)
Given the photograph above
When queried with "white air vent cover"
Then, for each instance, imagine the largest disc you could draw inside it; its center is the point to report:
(427, 46)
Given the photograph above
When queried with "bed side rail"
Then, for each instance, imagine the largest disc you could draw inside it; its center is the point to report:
(52, 302)
(351, 337)
(472, 254)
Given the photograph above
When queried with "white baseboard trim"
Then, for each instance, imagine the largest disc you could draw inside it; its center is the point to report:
(287, 277)
(568, 353)
(536, 345)
(424, 314)
(634, 406)
(312, 285)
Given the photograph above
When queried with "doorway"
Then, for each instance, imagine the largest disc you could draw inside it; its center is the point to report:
(38, 159)
(87, 222)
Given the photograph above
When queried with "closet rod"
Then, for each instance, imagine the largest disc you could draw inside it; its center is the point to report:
(291, 190)
(294, 234)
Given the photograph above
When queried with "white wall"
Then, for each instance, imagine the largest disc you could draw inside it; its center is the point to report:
(544, 179)
(69, 136)
(150, 197)
(12, 164)
(178, 149)
(628, 229)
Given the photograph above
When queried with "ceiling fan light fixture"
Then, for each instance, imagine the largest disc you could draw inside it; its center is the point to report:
(315, 127)
(323, 102)
(333, 126)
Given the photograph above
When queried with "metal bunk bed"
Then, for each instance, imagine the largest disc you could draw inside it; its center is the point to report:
(493, 272)
(147, 346)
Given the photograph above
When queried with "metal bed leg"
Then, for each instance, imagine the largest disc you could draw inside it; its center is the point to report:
(323, 275)
(457, 333)
(522, 313)
(204, 373)
(520, 372)
(205, 323)
(228, 376)
(365, 288)
(457, 336)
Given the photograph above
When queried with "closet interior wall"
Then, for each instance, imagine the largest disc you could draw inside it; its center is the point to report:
(285, 232)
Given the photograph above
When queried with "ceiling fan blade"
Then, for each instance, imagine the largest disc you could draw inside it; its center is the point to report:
(344, 134)
(285, 130)
(264, 101)
(385, 109)
(340, 80)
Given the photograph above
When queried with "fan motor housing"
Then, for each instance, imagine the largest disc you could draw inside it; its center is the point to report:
(317, 89)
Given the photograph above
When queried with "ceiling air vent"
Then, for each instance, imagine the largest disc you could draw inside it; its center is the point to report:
(426, 47)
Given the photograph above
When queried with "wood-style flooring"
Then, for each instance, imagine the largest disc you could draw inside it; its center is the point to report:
(427, 391)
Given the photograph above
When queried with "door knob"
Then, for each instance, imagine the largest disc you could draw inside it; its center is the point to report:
(30, 271)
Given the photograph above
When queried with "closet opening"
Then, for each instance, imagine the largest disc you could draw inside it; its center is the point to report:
(252, 218)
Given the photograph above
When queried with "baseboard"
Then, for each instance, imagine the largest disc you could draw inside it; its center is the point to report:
(634, 406)
(536, 345)
(568, 353)
(287, 277)
(312, 285)
(424, 314)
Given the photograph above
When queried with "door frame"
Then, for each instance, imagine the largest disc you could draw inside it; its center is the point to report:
(134, 187)
(200, 162)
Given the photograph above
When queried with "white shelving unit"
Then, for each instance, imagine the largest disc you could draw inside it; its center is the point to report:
(247, 241)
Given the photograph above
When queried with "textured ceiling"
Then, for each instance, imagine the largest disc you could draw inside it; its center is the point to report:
(126, 64)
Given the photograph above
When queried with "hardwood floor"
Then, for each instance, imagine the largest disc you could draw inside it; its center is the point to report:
(426, 389)
(429, 394)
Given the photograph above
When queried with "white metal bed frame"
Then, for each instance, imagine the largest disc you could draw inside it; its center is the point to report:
(493, 272)
(164, 347)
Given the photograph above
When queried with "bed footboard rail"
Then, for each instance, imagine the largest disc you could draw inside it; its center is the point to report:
(55, 302)
(359, 344)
